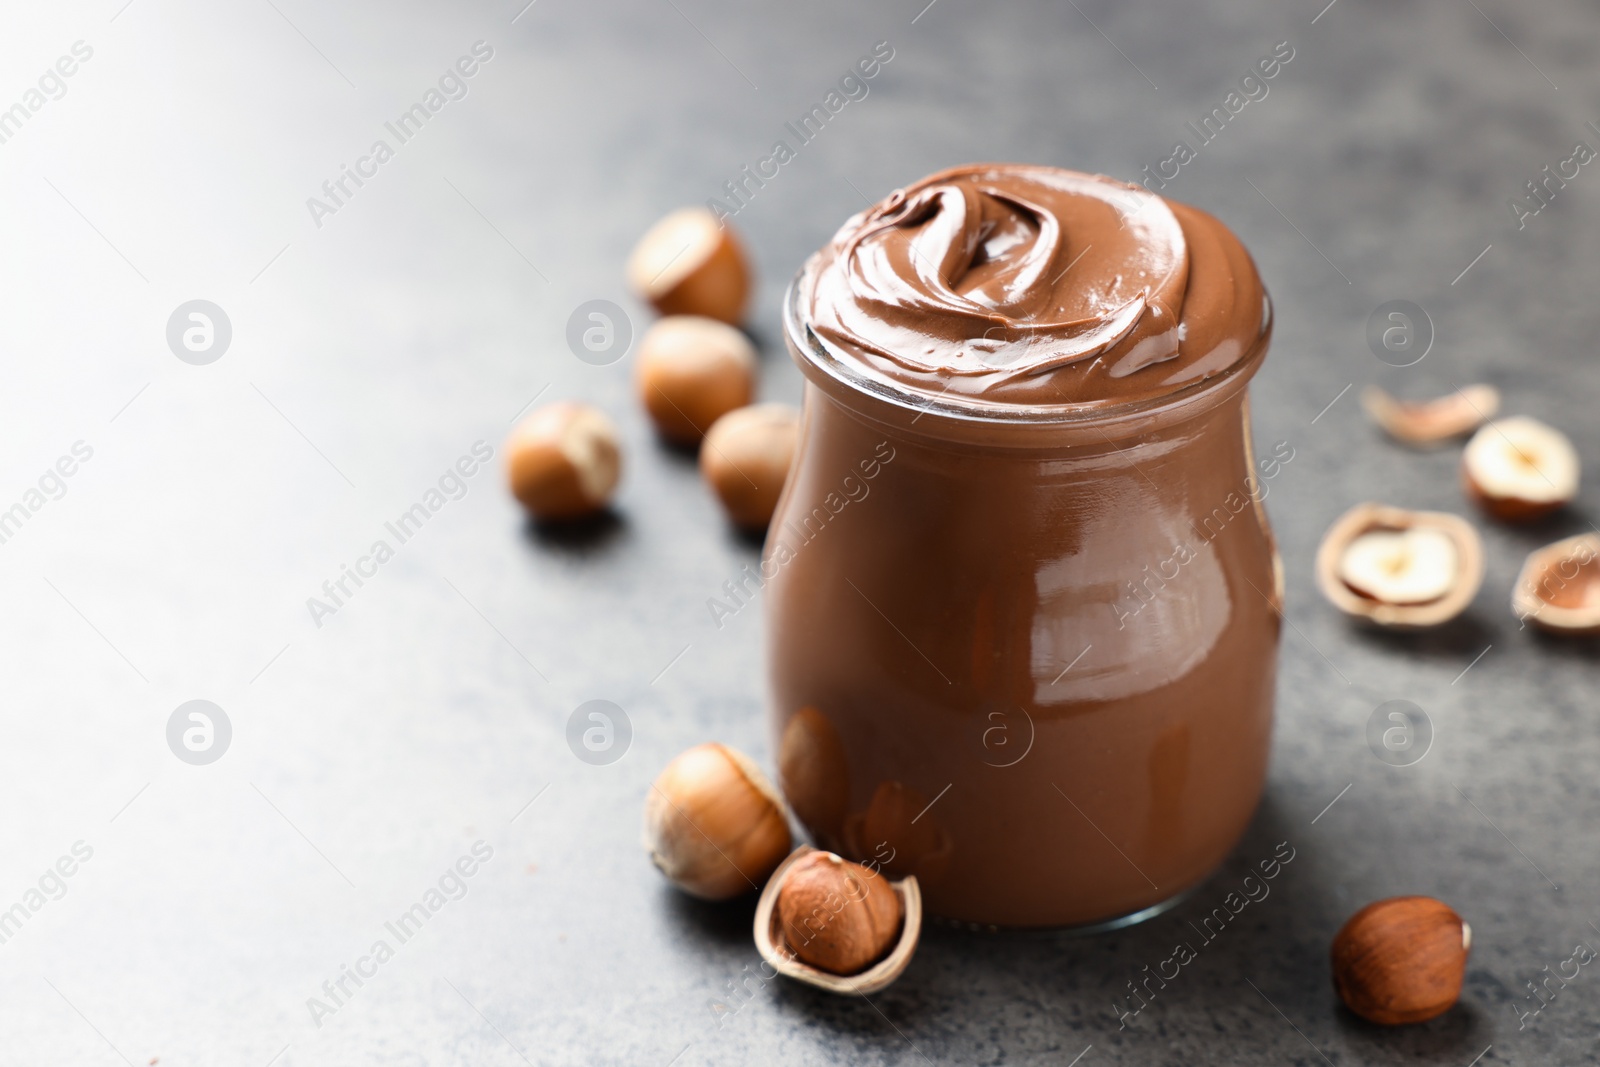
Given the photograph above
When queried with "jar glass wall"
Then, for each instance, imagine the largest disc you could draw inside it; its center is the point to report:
(1026, 654)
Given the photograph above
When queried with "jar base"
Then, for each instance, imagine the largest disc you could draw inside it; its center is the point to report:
(1100, 926)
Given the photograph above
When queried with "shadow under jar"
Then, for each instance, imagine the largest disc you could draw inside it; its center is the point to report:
(1023, 651)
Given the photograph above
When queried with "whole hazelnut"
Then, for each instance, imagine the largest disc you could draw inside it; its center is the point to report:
(1401, 960)
(714, 824)
(691, 371)
(746, 460)
(836, 915)
(690, 263)
(563, 461)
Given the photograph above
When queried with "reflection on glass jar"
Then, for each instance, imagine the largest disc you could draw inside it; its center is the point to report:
(898, 831)
(814, 775)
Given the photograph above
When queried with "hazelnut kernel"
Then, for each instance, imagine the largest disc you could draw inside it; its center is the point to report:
(714, 824)
(746, 460)
(563, 461)
(1520, 469)
(1401, 960)
(691, 371)
(1391, 567)
(836, 915)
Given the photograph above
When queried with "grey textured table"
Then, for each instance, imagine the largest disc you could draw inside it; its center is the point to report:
(373, 344)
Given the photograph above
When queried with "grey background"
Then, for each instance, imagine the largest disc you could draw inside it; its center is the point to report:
(370, 353)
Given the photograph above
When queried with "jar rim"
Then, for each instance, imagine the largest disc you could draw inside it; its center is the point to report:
(823, 366)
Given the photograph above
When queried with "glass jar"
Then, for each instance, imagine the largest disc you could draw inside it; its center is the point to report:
(1024, 653)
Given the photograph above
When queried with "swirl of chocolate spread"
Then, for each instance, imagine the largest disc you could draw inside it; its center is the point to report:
(1034, 285)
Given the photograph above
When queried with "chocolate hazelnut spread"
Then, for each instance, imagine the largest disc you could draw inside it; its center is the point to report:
(1023, 600)
(1036, 285)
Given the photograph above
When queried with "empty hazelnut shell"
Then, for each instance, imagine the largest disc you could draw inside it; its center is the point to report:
(774, 948)
(746, 457)
(1559, 587)
(691, 264)
(1381, 565)
(1519, 469)
(1430, 422)
(1401, 960)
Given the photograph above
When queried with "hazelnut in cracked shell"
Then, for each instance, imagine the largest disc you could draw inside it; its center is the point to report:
(1033, 285)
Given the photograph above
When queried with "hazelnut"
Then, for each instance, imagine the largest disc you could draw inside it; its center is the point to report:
(1397, 568)
(1519, 469)
(746, 460)
(1559, 587)
(1430, 422)
(773, 941)
(837, 915)
(1401, 960)
(714, 824)
(691, 264)
(692, 371)
(563, 461)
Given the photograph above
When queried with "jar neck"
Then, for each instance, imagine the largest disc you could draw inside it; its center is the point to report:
(960, 421)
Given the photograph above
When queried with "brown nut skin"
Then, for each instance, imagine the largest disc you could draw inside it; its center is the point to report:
(746, 459)
(714, 824)
(690, 372)
(1507, 509)
(563, 461)
(689, 263)
(837, 915)
(1401, 960)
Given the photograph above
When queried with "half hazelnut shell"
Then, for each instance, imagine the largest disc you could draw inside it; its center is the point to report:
(1431, 422)
(1519, 469)
(1559, 587)
(1368, 605)
(776, 951)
